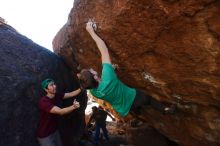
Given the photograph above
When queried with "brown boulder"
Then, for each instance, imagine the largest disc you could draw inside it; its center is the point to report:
(169, 48)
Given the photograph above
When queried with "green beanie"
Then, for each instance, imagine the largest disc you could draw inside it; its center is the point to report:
(45, 83)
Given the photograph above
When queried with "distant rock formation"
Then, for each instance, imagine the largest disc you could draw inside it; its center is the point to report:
(24, 65)
(169, 48)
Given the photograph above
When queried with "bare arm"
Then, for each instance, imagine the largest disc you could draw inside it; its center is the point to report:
(71, 94)
(63, 111)
(99, 42)
(110, 116)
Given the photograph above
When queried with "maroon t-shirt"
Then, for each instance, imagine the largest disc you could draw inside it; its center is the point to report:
(47, 121)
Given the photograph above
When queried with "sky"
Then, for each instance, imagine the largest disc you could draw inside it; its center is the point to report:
(39, 20)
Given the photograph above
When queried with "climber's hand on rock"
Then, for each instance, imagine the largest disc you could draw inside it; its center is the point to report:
(89, 26)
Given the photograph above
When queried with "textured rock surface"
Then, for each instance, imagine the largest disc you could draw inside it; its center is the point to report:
(169, 48)
(24, 65)
(144, 135)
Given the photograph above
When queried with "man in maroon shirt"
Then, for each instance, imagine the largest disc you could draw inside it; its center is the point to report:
(47, 132)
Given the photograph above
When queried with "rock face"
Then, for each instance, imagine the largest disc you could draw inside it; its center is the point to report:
(169, 48)
(144, 135)
(24, 65)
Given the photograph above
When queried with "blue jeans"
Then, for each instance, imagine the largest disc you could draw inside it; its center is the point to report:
(97, 132)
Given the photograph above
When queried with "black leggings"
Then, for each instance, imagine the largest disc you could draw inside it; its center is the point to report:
(144, 100)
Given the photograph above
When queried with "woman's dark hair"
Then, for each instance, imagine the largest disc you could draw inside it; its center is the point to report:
(87, 80)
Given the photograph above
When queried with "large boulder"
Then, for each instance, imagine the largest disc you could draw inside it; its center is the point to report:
(169, 48)
(24, 65)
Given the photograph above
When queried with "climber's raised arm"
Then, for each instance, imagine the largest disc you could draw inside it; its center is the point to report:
(99, 42)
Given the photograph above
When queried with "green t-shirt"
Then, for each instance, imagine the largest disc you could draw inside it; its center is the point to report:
(112, 90)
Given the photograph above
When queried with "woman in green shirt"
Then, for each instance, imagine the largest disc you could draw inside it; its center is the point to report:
(111, 89)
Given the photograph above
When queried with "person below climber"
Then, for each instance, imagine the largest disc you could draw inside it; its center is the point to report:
(47, 131)
(100, 116)
(109, 88)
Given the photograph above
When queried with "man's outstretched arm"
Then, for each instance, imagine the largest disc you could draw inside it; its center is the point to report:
(71, 94)
(66, 110)
(110, 116)
(99, 42)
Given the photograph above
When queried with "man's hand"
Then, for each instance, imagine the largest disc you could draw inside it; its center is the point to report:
(76, 104)
(89, 26)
